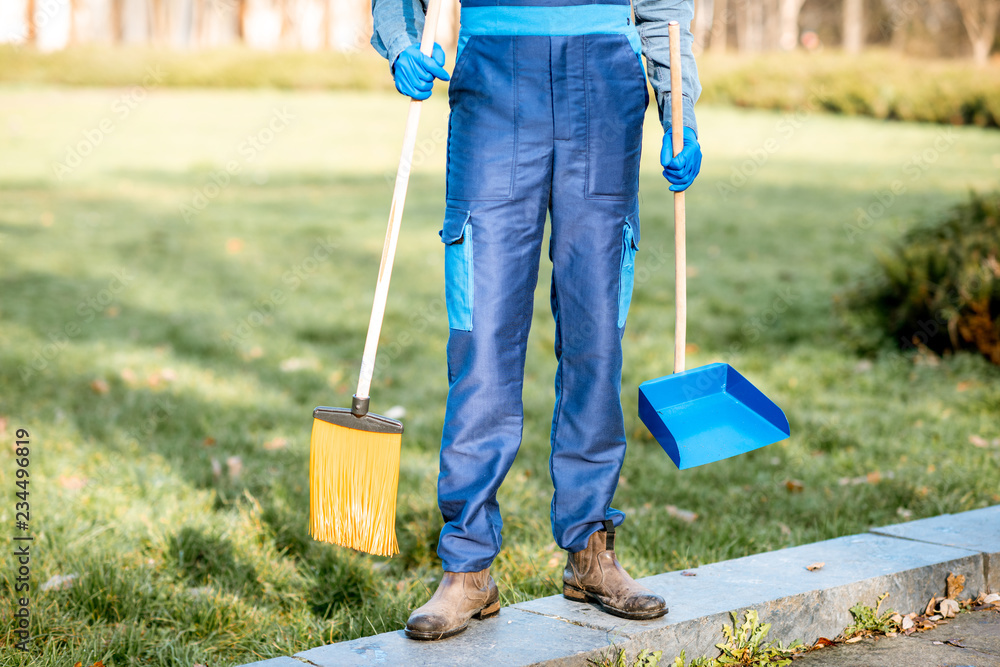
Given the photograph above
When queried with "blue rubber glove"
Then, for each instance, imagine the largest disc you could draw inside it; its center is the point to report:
(414, 72)
(681, 170)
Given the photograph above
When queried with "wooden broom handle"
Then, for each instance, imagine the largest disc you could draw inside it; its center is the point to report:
(395, 214)
(680, 232)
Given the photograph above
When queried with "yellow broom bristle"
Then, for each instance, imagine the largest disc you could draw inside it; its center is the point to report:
(353, 477)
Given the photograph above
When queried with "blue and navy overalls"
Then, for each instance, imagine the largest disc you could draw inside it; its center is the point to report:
(547, 103)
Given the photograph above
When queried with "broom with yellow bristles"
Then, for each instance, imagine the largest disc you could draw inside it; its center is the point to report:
(354, 455)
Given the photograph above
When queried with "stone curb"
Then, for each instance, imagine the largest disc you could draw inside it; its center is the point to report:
(910, 561)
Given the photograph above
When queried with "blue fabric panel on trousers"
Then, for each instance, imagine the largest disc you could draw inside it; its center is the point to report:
(541, 3)
(459, 289)
(630, 244)
(599, 19)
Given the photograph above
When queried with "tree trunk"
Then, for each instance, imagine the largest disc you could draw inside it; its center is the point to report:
(750, 29)
(30, 34)
(154, 9)
(853, 26)
(241, 20)
(720, 26)
(980, 19)
(789, 37)
(772, 24)
(702, 24)
(327, 17)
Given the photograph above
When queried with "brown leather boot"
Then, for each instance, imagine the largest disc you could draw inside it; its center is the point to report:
(594, 575)
(459, 597)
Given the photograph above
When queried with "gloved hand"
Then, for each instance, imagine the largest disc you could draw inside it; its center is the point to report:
(681, 170)
(414, 72)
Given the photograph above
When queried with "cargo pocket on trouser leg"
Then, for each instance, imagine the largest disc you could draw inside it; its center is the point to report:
(457, 237)
(630, 244)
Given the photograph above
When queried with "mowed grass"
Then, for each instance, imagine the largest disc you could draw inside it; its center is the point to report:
(166, 368)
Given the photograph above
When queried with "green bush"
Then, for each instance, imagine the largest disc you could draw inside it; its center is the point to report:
(939, 288)
(877, 83)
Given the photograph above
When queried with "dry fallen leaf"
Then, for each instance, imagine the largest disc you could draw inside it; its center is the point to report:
(688, 574)
(397, 412)
(992, 598)
(978, 441)
(234, 464)
(794, 485)
(929, 609)
(854, 640)
(897, 619)
(815, 566)
(293, 364)
(686, 516)
(72, 482)
(99, 386)
(276, 443)
(907, 623)
(823, 641)
(948, 608)
(956, 584)
(59, 582)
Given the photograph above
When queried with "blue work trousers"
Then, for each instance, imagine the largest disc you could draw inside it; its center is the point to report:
(540, 123)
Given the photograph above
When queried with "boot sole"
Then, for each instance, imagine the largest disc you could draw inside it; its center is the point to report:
(578, 595)
(488, 611)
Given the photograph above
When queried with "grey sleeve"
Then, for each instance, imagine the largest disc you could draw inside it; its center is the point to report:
(651, 18)
(397, 25)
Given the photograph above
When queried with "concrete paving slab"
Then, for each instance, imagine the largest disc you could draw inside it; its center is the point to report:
(798, 603)
(283, 661)
(512, 638)
(977, 530)
(909, 561)
(974, 641)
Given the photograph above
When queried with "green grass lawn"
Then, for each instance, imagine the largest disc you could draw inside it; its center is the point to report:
(166, 365)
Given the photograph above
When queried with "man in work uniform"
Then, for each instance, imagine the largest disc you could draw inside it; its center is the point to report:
(547, 103)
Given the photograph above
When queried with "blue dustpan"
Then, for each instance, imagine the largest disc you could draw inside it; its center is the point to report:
(709, 413)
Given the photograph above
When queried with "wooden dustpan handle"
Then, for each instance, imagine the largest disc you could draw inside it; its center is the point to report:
(680, 232)
(395, 216)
